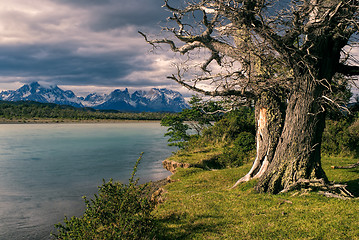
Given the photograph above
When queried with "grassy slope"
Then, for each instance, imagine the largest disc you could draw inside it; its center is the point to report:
(196, 156)
(200, 205)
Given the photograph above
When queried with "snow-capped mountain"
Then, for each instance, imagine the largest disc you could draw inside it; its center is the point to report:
(93, 99)
(164, 98)
(118, 100)
(156, 100)
(36, 92)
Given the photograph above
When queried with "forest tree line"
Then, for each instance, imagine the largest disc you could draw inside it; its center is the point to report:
(25, 110)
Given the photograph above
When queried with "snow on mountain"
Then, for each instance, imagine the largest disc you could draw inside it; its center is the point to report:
(164, 99)
(117, 100)
(155, 100)
(36, 92)
(93, 99)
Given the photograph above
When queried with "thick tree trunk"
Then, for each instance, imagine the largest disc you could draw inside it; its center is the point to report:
(297, 155)
(269, 116)
(297, 158)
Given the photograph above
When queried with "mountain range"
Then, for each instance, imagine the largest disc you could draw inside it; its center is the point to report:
(155, 100)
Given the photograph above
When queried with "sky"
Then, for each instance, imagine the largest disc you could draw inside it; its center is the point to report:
(82, 45)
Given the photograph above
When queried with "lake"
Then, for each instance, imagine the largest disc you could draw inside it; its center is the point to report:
(45, 169)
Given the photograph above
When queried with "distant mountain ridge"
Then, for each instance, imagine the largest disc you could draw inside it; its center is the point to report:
(155, 100)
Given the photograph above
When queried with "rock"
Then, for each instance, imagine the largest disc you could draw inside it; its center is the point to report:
(172, 165)
(158, 196)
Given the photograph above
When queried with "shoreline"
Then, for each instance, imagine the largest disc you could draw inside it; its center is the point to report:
(65, 121)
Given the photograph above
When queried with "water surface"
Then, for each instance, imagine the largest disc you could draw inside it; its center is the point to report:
(45, 169)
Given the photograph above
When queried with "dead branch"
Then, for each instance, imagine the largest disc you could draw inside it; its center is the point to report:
(215, 93)
(319, 185)
(348, 70)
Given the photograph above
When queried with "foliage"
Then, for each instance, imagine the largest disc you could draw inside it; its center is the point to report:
(27, 111)
(193, 119)
(232, 124)
(341, 137)
(233, 139)
(240, 152)
(229, 142)
(177, 130)
(119, 211)
(201, 113)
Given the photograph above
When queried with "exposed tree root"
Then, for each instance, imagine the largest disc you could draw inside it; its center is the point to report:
(355, 165)
(266, 137)
(256, 171)
(323, 188)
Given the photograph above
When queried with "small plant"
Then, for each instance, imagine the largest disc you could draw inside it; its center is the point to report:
(119, 211)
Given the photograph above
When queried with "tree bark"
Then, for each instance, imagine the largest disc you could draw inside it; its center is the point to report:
(269, 114)
(297, 155)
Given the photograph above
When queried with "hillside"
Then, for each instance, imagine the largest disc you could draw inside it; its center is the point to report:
(199, 204)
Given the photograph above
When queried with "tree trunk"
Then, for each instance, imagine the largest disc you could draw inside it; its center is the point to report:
(297, 155)
(269, 116)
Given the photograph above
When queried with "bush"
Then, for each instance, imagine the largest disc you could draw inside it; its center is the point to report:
(232, 124)
(190, 122)
(341, 137)
(241, 151)
(177, 130)
(119, 211)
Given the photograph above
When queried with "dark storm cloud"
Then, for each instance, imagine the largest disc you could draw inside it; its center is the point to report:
(138, 15)
(111, 14)
(63, 65)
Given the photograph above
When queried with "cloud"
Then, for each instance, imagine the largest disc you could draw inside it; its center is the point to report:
(79, 42)
(140, 13)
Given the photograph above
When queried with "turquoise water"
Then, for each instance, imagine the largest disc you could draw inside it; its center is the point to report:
(45, 169)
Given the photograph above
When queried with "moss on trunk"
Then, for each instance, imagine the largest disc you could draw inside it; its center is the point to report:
(297, 154)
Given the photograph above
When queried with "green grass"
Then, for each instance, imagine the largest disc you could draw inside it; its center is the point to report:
(201, 205)
(347, 176)
(196, 156)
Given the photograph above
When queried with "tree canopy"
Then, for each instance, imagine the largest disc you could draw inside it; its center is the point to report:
(261, 45)
(291, 58)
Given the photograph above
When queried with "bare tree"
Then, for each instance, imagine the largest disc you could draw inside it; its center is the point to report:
(283, 55)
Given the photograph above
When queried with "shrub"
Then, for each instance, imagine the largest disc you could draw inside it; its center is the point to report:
(189, 123)
(119, 211)
(341, 137)
(240, 152)
(177, 130)
(232, 124)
